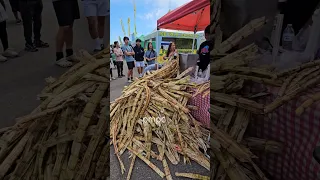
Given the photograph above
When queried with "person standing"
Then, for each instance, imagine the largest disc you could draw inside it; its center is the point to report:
(15, 10)
(204, 50)
(129, 53)
(119, 60)
(150, 55)
(139, 57)
(31, 11)
(4, 36)
(96, 12)
(67, 11)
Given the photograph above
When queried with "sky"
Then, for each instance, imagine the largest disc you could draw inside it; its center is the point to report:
(147, 14)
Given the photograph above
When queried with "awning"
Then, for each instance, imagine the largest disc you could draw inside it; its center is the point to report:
(193, 16)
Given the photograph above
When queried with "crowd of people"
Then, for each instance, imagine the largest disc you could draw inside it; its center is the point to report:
(145, 61)
(136, 57)
(67, 11)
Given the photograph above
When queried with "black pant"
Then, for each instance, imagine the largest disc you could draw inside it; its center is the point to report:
(3, 31)
(111, 72)
(31, 16)
(4, 35)
(119, 68)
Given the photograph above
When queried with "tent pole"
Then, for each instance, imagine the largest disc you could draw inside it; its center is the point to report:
(194, 36)
(196, 29)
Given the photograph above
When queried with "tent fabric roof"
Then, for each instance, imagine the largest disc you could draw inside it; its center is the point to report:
(187, 16)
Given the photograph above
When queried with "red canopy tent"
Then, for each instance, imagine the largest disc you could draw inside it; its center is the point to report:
(193, 16)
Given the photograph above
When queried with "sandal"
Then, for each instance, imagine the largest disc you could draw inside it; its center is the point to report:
(64, 63)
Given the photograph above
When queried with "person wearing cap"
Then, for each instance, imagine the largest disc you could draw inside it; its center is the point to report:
(129, 53)
(139, 57)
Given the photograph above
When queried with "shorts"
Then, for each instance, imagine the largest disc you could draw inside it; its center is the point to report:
(140, 64)
(96, 8)
(14, 5)
(66, 11)
(130, 65)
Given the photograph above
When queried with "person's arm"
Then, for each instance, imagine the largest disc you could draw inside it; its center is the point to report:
(121, 52)
(145, 56)
(127, 53)
(132, 53)
(155, 56)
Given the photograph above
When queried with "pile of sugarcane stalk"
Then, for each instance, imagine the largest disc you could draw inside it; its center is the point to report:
(66, 137)
(232, 106)
(162, 94)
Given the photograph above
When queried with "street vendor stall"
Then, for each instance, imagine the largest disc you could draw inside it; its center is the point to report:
(162, 38)
(193, 16)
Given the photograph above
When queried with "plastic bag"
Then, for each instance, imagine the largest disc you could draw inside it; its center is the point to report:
(203, 78)
(301, 39)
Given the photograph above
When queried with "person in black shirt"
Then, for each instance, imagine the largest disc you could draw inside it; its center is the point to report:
(204, 50)
(139, 57)
(31, 11)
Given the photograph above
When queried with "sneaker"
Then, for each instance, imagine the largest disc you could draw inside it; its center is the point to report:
(30, 48)
(9, 53)
(130, 81)
(113, 78)
(3, 59)
(41, 44)
(64, 63)
(18, 21)
(119, 76)
(110, 79)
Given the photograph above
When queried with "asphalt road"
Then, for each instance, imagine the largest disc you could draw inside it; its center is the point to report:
(141, 170)
(22, 78)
